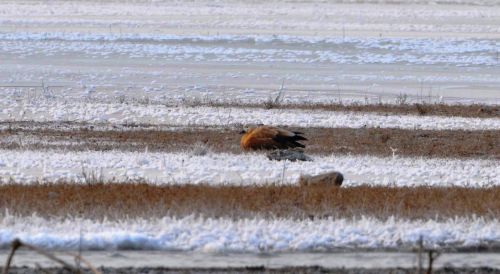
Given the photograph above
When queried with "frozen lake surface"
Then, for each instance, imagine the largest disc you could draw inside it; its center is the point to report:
(347, 259)
(167, 51)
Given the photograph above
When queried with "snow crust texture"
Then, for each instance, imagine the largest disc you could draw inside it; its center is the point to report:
(245, 235)
(244, 169)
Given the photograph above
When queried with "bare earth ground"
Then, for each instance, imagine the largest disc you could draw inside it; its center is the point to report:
(115, 200)
(372, 141)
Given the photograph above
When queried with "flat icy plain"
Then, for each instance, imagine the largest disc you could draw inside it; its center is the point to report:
(235, 50)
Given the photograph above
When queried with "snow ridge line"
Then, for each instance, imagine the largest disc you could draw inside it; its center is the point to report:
(427, 45)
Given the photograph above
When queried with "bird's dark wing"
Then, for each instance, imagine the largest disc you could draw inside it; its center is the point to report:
(287, 141)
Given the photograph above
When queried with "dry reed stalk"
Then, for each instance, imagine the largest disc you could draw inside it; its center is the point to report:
(16, 244)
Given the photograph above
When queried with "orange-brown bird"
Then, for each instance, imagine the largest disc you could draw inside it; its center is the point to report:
(266, 137)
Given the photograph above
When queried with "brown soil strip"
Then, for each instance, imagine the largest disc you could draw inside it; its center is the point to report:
(371, 141)
(116, 200)
(476, 110)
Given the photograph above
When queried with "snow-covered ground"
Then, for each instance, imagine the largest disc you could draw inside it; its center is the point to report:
(251, 68)
(264, 48)
(324, 51)
(69, 111)
(450, 18)
(246, 235)
(244, 169)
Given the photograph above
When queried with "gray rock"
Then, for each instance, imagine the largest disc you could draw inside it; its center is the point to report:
(288, 154)
(331, 178)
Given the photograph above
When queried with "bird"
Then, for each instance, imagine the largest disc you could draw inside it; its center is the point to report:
(270, 138)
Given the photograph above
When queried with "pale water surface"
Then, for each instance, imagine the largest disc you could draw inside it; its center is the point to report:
(199, 259)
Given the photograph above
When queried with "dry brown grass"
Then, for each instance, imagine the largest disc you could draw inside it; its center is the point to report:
(474, 110)
(372, 141)
(114, 200)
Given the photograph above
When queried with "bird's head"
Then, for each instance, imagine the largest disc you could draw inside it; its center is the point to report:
(245, 129)
(249, 127)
